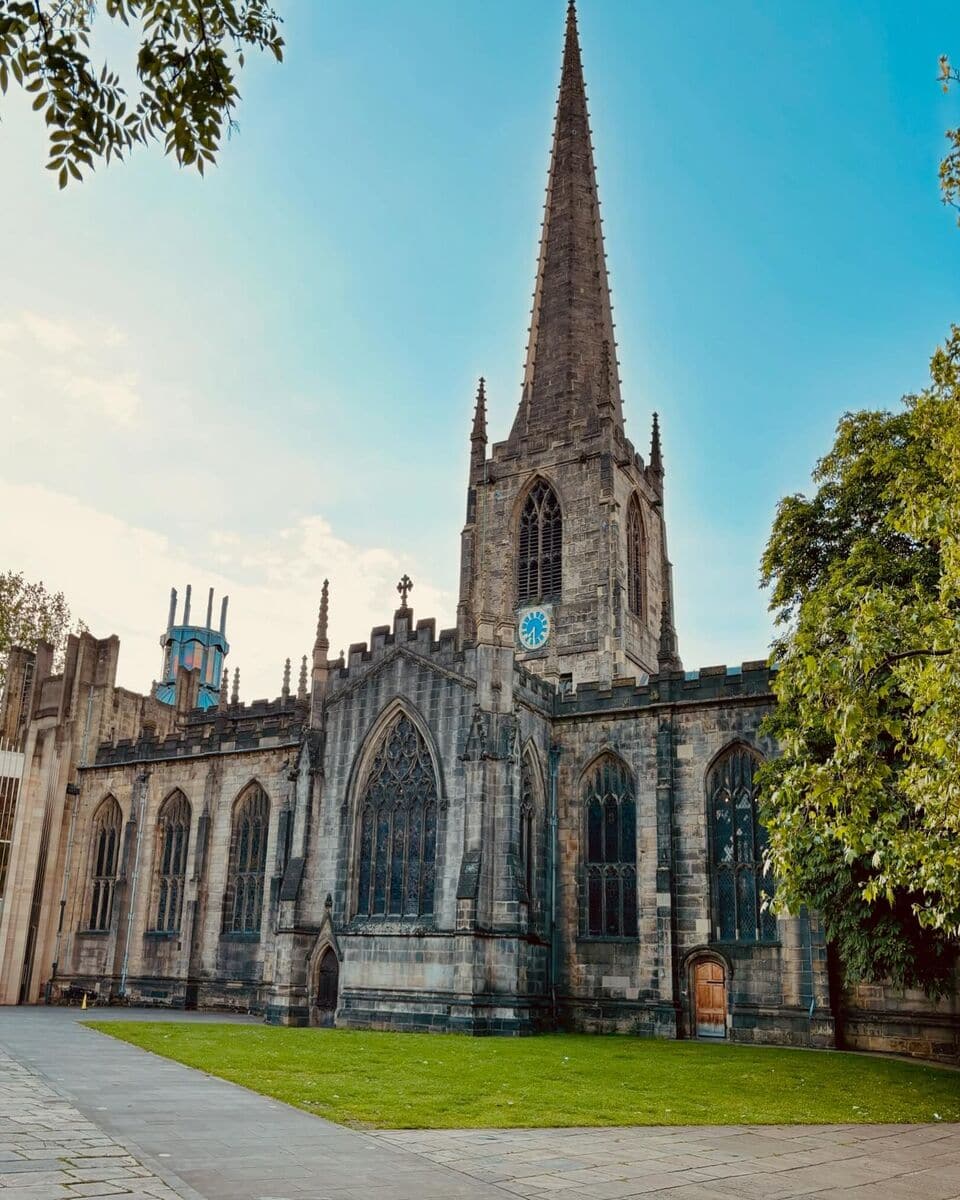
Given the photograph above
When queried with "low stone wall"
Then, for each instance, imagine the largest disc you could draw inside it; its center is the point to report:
(890, 1020)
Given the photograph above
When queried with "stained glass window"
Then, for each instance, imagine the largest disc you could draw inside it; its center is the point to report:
(636, 559)
(611, 841)
(173, 836)
(738, 842)
(540, 551)
(107, 824)
(398, 827)
(243, 905)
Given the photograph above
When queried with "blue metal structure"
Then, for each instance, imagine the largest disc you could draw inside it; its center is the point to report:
(196, 648)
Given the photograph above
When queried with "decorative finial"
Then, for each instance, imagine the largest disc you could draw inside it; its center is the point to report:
(404, 587)
(235, 694)
(656, 456)
(479, 433)
(302, 685)
(285, 690)
(224, 702)
(322, 642)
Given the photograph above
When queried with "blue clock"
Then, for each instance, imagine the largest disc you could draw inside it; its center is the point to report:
(534, 628)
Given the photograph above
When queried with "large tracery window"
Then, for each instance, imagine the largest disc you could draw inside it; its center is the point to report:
(540, 551)
(611, 867)
(105, 855)
(398, 827)
(173, 836)
(738, 841)
(636, 559)
(243, 905)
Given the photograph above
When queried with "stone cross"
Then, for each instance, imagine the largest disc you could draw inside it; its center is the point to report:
(403, 587)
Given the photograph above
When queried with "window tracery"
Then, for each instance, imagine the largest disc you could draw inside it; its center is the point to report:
(398, 827)
(540, 548)
(737, 845)
(611, 850)
(106, 852)
(243, 909)
(173, 830)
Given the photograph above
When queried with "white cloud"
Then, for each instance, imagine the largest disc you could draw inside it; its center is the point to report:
(56, 374)
(117, 577)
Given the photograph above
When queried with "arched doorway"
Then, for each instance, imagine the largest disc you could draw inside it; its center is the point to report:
(709, 999)
(328, 986)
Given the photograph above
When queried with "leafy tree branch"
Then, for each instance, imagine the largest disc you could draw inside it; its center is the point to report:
(189, 55)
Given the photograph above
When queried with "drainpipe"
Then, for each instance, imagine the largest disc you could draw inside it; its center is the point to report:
(552, 848)
(142, 780)
(73, 791)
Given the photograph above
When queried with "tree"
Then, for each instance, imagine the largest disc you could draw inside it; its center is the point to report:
(189, 54)
(950, 166)
(863, 808)
(29, 614)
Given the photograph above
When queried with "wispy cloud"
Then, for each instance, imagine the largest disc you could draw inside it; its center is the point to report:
(117, 577)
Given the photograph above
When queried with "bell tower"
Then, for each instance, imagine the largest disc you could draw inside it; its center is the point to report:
(565, 540)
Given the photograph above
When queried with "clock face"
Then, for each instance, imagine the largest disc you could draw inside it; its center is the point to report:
(534, 628)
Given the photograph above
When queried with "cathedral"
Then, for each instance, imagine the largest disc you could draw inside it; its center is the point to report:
(534, 820)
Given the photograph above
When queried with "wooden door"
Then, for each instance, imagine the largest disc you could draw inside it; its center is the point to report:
(328, 982)
(710, 999)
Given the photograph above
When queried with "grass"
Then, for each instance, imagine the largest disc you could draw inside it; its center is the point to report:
(444, 1081)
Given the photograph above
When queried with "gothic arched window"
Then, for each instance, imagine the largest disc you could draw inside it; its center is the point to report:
(243, 903)
(737, 844)
(611, 859)
(636, 559)
(540, 549)
(104, 858)
(398, 827)
(173, 836)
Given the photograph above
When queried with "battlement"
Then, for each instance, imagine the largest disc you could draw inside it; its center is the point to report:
(261, 724)
(420, 637)
(749, 679)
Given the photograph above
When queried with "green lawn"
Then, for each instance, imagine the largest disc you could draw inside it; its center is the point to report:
(437, 1081)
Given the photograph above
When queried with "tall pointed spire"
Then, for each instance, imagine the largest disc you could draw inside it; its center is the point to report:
(322, 642)
(656, 451)
(571, 372)
(479, 431)
(478, 435)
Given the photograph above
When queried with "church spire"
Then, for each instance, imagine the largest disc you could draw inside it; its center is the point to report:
(571, 371)
(478, 435)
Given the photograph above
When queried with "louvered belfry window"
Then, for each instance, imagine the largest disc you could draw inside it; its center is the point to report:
(398, 827)
(540, 550)
(243, 908)
(738, 843)
(636, 559)
(173, 836)
(106, 852)
(611, 858)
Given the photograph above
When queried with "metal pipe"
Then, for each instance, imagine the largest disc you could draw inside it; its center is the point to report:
(554, 760)
(142, 780)
(173, 608)
(223, 614)
(186, 605)
(209, 608)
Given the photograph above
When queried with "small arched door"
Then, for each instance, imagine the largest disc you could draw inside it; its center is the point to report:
(328, 985)
(710, 999)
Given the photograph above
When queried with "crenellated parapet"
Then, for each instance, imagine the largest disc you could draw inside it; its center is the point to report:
(418, 637)
(258, 725)
(750, 680)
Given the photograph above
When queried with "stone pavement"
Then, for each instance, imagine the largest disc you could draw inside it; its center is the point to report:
(84, 1115)
(762, 1162)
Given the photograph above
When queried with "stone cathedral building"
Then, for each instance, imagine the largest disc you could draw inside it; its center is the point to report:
(536, 819)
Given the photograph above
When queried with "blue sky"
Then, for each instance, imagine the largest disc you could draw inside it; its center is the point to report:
(266, 376)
